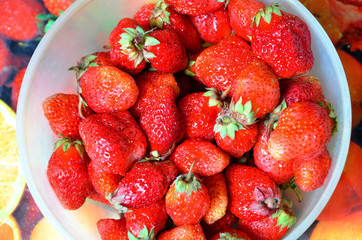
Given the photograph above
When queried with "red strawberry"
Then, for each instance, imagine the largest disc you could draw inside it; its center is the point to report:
(18, 19)
(311, 172)
(213, 27)
(209, 158)
(198, 116)
(62, 112)
(241, 14)
(164, 17)
(252, 194)
(143, 185)
(152, 217)
(110, 229)
(5, 62)
(103, 182)
(187, 200)
(56, 7)
(227, 221)
(113, 140)
(96, 196)
(218, 65)
(168, 168)
(283, 41)
(273, 227)
(184, 232)
(231, 234)
(142, 16)
(216, 188)
(107, 89)
(67, 173)
(18, 80)
(195, 7)
(303, 129)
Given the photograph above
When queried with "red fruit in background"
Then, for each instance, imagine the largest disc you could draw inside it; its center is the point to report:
(352, 167)
(209, 158)
(195, 7)
(303, 129)
(227, 221)
(67, 173)
(62, 112)
(283, 41)
(252, 194)
(5, 62)
(142, 16)
(241, 14)
(198, 116)
(18, 80)
(56, 7)
(18, 19)
(311, 172)
(107, 89)
(213, 27)
(113, 140)
(184, 232)
(231, 234)
(110, 229)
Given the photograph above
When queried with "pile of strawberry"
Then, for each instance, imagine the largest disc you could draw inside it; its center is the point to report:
(198, 117)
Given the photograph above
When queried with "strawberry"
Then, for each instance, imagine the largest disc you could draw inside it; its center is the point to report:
(198, 115)
(231, 234)
(209, 158)
(252, 194)
(62, 112)
(113, 140)
(18, 19)
(213, 27)
(67, 173)
(168, 168)
(184, 232)
(107, 89)
(187, 199)
(152, 217)
(273, 227)
(142, 185)
(96, 196)
(164, 17)
(110, 229)
(142, 16)
(311, 172)
(56, 7)
(15, 90)
(227, 221)
(103, 182)
(283, 41)
(218, 65)
(216, 188)
(195, 7)
(241, 14)
(5, 62)
(303, 129)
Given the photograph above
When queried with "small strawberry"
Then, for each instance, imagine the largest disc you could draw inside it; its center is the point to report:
(283, 41)
(67, 173)
(18, 19)
(110, 229)
(227, 221)
(303, 129)
(231, 234)
(198, 115)
(209, 158)
(241, 14)
(187, 200)
(107, 89)
(62, 112)
(252, 194)
(5, 62)
(184, 232)
(56, 7)
(142, 185)
(152, 217)
(195, 7)
(311, 172)
(216, 188)
(113, 140)
(142, 16)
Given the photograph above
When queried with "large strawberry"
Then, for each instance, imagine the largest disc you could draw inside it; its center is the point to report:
(67, 173)
(62, 112)
(184, 232)
(252, 193)
(56, 7)
(282, 40)
(195, 7)
(114, 140)
(231, 233)
(110, 229)
(303, 129)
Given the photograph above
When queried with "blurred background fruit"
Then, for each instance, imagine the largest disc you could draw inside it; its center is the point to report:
(9, 229)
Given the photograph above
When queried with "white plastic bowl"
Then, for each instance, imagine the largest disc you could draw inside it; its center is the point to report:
(84, 28)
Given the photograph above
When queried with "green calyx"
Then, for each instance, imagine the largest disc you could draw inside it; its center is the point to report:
(272, 118)
(45, 21)
(266, 13)
(83, 64)
(226, 124)
(229, 236)
(160, 15)
(292, 185)
(332, 115)
(187, 71)
(215, 99)
(67, 142)
(143, 234)
(116, 202)
(285, 215)
(242, 113)
(187, 183)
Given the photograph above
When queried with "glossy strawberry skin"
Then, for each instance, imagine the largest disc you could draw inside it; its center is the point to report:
(61, 111)
(227, 221)
(185, 232)
(57, 6)
(168, 168)
(107, 89)
(285, 44)
(195, 7)
(142, 16)
(110, 229)
(114, 140)
(103, 59)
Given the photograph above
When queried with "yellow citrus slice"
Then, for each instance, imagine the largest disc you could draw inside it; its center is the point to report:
(9, 229)
(12, 181)
(44, 231)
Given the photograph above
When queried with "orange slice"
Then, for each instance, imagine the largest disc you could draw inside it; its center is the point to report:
(44, 231)
(9, 229)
